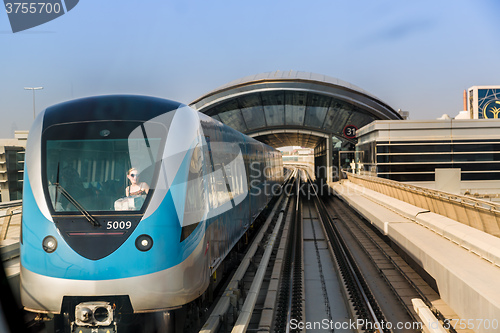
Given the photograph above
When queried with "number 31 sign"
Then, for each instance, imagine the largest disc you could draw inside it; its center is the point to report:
(350, 131)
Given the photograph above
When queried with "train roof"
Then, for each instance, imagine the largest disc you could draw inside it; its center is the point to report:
(108, 107)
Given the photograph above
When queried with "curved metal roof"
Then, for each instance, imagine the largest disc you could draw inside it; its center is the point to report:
(287, 75)
(295, 102)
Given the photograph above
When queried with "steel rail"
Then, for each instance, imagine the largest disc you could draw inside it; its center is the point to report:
(328, 310)
(296, 278)
(288, 284)
(350, 270)
(339, 208)
(232, 290)
(382, 251)
(243, 320)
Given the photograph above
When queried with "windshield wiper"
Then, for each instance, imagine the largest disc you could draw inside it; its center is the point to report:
(146, 140)
(73, 201)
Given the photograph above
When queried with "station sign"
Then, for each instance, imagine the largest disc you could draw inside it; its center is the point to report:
(350, 131)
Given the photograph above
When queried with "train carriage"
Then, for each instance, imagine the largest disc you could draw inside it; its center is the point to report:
(94, 256)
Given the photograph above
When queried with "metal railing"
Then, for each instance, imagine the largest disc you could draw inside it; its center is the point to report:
(480, 214)
(12, 209)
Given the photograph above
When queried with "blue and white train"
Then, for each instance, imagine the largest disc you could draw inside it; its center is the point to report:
(93, 256)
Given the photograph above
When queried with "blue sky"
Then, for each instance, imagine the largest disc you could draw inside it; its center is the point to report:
(414, 55)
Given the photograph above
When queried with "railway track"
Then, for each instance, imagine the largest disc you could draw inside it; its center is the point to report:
(314, 261)
(320, 275)
(248, 301)
(400, 279)
(362, 305)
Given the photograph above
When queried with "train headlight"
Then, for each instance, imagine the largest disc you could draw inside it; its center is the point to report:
(83, 314)
(101, 314)
(49, 244)
(144, 243)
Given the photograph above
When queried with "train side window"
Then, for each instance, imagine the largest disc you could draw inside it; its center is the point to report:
(194, 209)
(210, 173)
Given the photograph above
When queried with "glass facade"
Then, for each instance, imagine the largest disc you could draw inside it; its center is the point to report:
(294, 108)
(269, 110)
(417, 160)
(14, 160)
(289, 109)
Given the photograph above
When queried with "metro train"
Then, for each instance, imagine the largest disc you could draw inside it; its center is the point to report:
(93, 251)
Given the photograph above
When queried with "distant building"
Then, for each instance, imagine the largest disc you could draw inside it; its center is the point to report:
(484, 102)
(448, 154)
(12, 166)
(298, 155)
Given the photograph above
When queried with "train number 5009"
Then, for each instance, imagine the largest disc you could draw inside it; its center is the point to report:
(118, 225)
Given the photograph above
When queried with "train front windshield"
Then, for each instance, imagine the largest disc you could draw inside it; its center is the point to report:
(86, 165)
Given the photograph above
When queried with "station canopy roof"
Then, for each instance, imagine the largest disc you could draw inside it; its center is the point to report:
(292, 108)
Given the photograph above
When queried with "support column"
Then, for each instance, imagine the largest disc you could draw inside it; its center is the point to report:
(329, 166)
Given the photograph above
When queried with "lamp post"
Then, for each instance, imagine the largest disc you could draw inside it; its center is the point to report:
(33, 89)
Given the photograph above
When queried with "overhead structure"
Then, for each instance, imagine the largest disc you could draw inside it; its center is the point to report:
(296, 109)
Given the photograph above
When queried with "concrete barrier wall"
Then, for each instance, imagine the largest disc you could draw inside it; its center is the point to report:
(480, 214)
